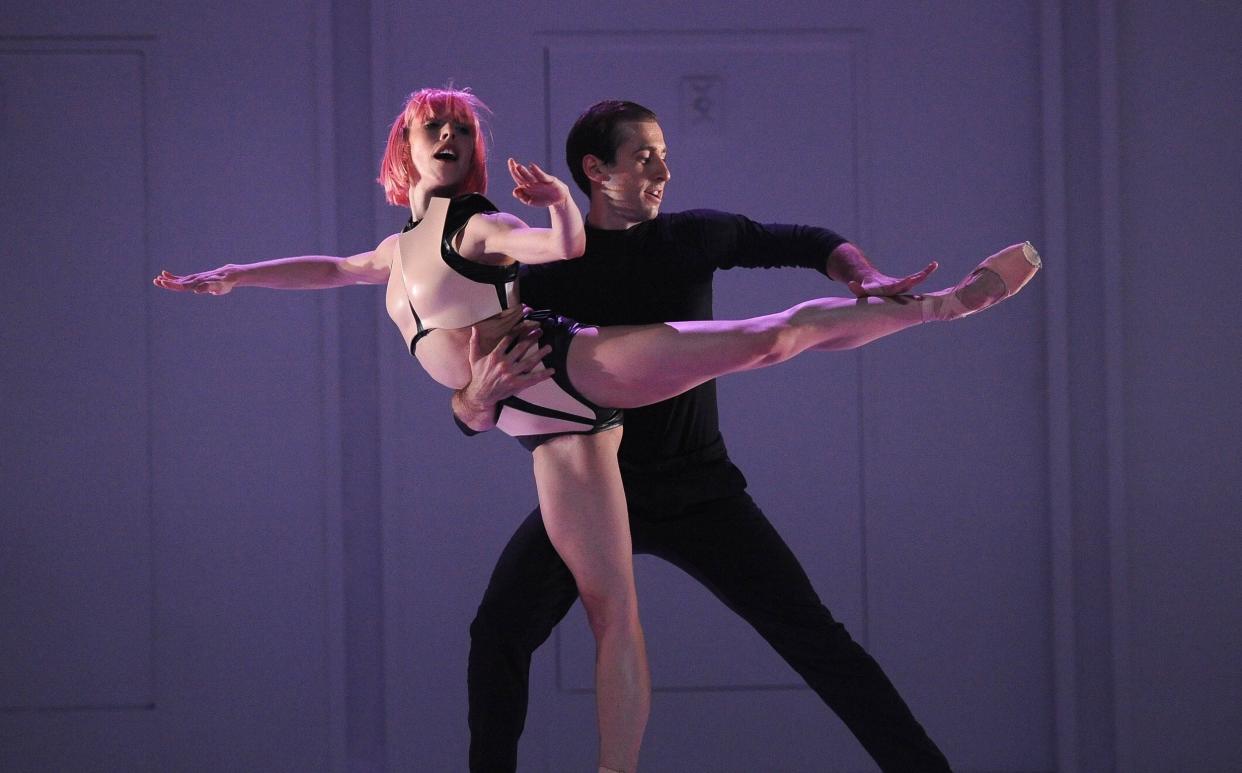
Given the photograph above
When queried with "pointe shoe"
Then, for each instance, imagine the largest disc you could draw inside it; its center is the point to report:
(995, 279)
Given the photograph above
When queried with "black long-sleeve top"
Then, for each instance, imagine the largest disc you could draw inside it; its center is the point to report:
(661, 271)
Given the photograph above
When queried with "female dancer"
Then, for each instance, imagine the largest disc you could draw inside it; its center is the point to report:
(457, 267)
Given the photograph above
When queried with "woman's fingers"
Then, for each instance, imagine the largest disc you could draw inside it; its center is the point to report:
(532, 174)
(521, 175)
(534, 185)
(530, 178)
(201, 284)
(169, 282)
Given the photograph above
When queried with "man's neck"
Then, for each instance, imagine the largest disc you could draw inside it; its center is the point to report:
(605, 218)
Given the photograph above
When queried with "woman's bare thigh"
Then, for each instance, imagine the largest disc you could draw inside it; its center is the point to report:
(627, 366)
(584, 512)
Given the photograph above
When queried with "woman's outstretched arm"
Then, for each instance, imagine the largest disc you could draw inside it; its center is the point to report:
(502, 234)
(306, 272)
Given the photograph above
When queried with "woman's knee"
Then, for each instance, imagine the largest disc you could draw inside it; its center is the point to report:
(770, 340)
(610, 612)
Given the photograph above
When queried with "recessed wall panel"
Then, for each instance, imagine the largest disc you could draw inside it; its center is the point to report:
(75, 572)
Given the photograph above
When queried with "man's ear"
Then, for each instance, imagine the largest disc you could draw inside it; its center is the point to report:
(593, 168)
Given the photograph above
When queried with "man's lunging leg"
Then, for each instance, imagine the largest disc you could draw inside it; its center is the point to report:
(736, 553)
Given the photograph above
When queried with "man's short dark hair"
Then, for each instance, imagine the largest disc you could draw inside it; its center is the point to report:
(597, 133)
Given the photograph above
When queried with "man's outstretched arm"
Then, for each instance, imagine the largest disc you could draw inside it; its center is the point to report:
(736, 240)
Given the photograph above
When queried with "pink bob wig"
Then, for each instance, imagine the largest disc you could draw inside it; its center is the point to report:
(397, 173)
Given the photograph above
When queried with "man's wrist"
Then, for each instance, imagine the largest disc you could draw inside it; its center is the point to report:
(477, 415)
(847, 264)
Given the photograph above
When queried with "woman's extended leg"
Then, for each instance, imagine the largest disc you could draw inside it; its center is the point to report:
(585, 515)
(630, 366)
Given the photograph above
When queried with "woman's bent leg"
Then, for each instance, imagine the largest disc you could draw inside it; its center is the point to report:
(635, 365)
(585, 514)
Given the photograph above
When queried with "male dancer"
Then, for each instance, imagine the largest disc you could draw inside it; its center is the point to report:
(688, 502)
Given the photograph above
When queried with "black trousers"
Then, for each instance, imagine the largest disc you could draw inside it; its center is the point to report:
(730, 547)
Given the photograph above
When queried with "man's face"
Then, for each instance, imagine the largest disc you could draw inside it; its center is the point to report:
(635, 182)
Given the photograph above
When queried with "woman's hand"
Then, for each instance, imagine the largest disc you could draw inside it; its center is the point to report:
(535, 187)
(218, 281)
(503, 234)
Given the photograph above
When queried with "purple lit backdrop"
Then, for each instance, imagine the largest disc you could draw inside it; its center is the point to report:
(242, 534)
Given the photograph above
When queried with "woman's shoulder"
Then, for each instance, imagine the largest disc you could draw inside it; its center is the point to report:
(468, 204)
(385, 250)
(465, 206)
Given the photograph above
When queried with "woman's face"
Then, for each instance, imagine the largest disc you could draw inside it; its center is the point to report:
(441, 150)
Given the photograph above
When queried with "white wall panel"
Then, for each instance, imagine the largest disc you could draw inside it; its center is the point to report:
(75, 562)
